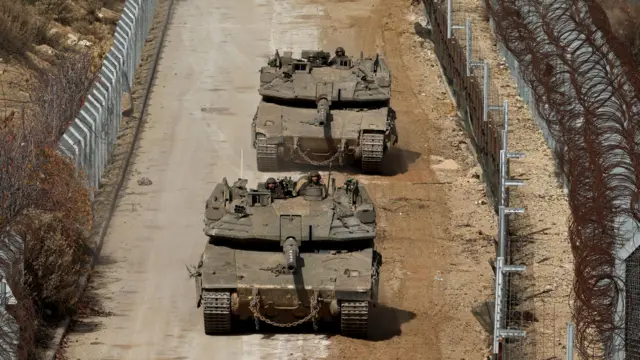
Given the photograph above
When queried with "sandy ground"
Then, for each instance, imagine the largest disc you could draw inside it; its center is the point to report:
(546, 250)
(436, 229)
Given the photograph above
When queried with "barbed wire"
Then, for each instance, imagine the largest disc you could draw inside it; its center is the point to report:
(586, 88)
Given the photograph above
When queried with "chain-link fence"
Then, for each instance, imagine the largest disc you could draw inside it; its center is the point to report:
(11, 249)
(559, 52)
(485, 114)
(90, 139)
(632, 308)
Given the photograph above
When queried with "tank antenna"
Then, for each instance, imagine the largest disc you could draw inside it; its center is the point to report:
(241, 163)
(329, 179)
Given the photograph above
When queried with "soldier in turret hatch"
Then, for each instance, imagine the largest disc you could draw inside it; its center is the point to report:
(340, 55)
(271, 184)
(274, 187)
(316, 179)
(312, 180)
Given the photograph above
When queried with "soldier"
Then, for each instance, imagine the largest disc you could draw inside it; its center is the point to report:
(312, 180)
(276, 189)
(316, 178)
(340, 55)
(275, 60)
(271, 184)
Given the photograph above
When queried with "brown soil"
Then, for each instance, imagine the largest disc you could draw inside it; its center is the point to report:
(436, 229)
(546, 252)
(63, 26)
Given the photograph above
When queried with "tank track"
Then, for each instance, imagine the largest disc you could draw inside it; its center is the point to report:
(266, 156)
(372, 148)
(354, 318)
(216, 312)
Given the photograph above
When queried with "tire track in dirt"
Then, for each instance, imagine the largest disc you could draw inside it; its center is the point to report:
(431, 275)
(413, 218)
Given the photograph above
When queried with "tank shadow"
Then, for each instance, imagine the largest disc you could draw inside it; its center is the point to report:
(398, 160)
(386, 322)
(422, 32)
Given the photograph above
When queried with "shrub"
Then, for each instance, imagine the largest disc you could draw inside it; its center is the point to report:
(20, 28)
(57, 94)
(43, 199)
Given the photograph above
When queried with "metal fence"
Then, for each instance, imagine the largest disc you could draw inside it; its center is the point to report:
(90, 139)
(11, 249)
(632, 328)
(467, 90)
(567, 47)
(486, 118)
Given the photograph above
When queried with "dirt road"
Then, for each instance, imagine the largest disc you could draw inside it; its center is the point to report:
(433, 224)
(198, 125)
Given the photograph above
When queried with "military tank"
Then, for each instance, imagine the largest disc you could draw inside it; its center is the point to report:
(300, 252)
(321, 111)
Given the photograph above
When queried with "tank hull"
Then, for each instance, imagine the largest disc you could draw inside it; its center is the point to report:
(326, 288)
(283, 134)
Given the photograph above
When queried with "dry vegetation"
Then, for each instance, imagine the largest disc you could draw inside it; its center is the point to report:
(49, 53)
(44, 202)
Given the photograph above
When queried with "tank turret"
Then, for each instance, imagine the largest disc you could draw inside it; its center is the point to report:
(278, 215)
(297, 252)
(320, 111)
(311, 77)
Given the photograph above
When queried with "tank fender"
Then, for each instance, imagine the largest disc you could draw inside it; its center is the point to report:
(275, 140)
(373, 126)
(266, 140)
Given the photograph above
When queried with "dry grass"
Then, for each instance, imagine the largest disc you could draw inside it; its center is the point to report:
(20, 28)
(26, 24)
(43, 200)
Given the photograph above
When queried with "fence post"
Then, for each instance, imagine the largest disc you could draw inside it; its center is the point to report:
(450, 27)
(3, 294)
(469, 43)
(570, 334)
(469, 39)
(449, 5)
(485, 93)
(499, 331)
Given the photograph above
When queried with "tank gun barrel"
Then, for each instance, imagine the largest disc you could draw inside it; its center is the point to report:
(323, 112)
(291, 251)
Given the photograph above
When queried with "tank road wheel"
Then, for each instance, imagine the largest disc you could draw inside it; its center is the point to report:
(354, 318)
(372, 148)
(266, 156)
(216, 312)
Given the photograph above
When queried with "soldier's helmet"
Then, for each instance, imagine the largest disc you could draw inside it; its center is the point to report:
(315, 176)
(340, 51)
(270, 183)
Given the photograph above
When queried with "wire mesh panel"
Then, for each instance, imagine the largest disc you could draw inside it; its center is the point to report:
(90, 138)
(632, 311)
